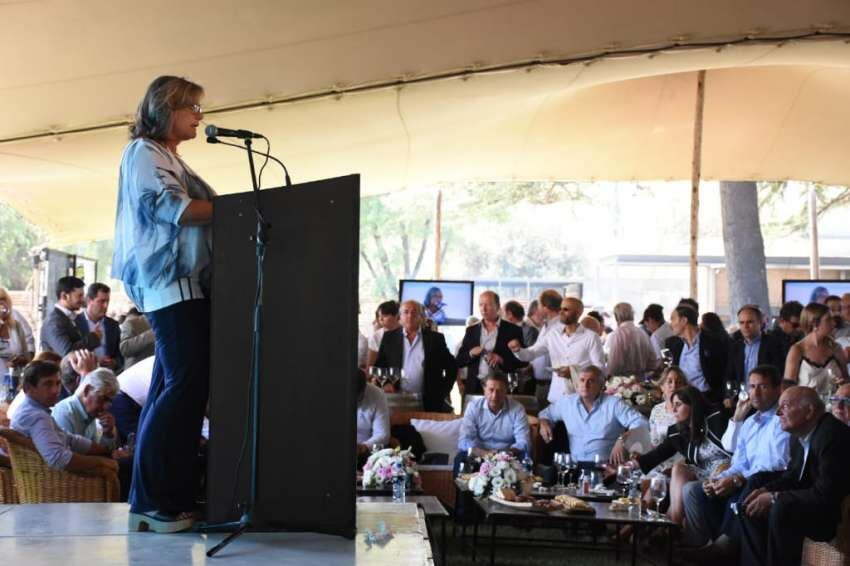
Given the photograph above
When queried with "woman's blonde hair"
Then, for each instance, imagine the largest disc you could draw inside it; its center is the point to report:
(164, 95)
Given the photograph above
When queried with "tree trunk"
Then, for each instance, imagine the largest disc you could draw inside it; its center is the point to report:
(745, 262)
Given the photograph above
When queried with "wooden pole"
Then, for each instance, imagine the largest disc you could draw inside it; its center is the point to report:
(696, 170)
(814, 256)
(438, 235)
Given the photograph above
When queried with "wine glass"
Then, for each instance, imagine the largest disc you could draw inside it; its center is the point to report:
(658, 491)
(743, 394)
(624, 478)
(570, 464)
(513, 381)
(731, 387)
(560, 461)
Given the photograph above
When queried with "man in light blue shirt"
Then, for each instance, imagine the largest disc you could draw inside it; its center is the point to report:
(494, 423)
(60, 450)
(79, 414)
(597, 424)
(760, 446)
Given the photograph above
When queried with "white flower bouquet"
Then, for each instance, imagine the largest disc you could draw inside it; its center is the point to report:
(498, 470)
(385, 465)
(632, 391)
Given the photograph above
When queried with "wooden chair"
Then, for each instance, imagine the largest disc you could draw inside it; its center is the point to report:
(8, 493)
(436, 480)
(37, 483)
(834, 553)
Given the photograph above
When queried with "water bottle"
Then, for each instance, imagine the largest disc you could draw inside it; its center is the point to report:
(398, 489)
(528, 464)
(10, 385)
(634, 499)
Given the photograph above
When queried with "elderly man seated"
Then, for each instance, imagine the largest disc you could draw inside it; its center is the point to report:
(597, 424)
(81, 413)
(494, 423)
(60, 450)
(841, 404)
(805, 501)
(373, 417)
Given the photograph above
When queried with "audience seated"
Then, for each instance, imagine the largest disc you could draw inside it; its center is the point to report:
(570, 344)
(805, 501)
(484, 348)
(60, 450)
(494, 423)
(843, 331)
(82, 412)
(59, 332)
(663, 415)
(429, 368)
(94, 320)
(816, 361)
(597, 424)
(697, 436)
(629, 349)
(14, 350)
(137, 339)
(841, 404)
(760, 447)
(53, 358)
(701, 355)
(373, 417)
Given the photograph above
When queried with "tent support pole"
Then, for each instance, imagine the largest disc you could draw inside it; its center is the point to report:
(696, 171)
(814, 256)
(438, 235)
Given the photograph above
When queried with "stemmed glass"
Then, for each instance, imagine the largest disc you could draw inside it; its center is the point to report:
(393, 375)
(571, 465)
(743, 394)
(624, 478)
(657, 491)
(560, 462)
(731, 388)
(513, 381)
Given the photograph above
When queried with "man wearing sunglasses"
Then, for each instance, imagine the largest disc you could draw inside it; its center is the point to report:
(841, 404)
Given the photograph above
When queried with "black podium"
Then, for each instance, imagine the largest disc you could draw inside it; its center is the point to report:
(306, 448)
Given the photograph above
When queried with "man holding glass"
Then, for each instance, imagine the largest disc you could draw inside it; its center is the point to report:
(760, 448)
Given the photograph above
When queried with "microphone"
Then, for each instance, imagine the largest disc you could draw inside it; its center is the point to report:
(214, 131)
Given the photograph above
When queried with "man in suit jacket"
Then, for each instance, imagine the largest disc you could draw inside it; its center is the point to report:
(94, 318)
(806, 500)
(485, 345)
(750, 347)
(429, 368)
(59, 333)
(701, 355)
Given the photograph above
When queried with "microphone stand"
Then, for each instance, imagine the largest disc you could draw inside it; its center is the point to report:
(261, 238)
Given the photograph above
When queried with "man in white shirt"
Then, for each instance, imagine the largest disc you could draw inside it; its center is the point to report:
(373, 417)
(548, 311)
(570, 345)
(629, 349)
(659, 329)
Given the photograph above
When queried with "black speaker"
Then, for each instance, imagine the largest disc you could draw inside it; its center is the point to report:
(307, 437)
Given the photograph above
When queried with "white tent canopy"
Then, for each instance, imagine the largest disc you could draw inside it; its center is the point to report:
(426, 92)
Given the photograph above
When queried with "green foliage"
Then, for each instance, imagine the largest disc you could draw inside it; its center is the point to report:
(17, 238)
(772, 194)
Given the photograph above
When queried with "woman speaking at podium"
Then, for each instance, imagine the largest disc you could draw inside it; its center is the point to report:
(163, 248)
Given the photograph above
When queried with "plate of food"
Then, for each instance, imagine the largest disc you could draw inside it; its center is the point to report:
(620, 505)
(507, 496)
(574, 505)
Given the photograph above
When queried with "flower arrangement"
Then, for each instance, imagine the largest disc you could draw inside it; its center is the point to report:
(385, 465)
(632, 391)
(498, 470)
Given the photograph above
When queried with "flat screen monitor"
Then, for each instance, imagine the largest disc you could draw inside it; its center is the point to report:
(448, 303)
(813, 290)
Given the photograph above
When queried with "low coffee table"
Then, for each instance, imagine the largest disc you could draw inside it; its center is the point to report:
(429, 504)
(497, 514)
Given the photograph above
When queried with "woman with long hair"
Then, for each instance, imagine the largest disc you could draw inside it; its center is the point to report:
(816, 361)
(13, 341)
(163, 248)
(697, 436)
